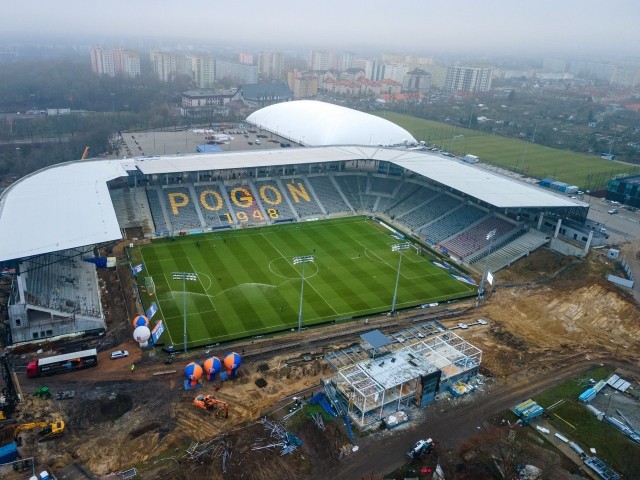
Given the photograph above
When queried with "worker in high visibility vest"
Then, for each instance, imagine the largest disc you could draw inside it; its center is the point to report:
(133, 366)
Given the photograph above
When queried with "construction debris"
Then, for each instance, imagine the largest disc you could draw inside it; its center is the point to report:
(278, 438)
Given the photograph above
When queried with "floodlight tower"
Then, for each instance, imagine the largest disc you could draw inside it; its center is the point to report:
(489, 237)
(185, 276)
(398, 247)
(297, 261)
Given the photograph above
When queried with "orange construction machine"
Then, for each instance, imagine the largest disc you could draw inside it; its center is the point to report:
(209, 403)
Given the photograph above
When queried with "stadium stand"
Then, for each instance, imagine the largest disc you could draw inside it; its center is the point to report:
(181, 208)
(125, 207)
(245, 205)
(352, 186)
(56, 287)
(272, 198)
(302, 197)
(412, 199)
(431, 210)
(213, 206)
(452, 223)
(157, 212)
(382, 185)
(475, 238)
(514, 249)
(326, 192)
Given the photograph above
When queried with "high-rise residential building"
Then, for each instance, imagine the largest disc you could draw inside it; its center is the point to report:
(411, 60)
(374, 70)
(395, 72)
(115, 61)
(202, 70)
(302, 84)
(416, 80)
(321, 60)
(238, 72)
(164, 65)
(271, 65)
(468, 79)
(554, 65)
(246, 58)
(348, 60)
(626, 75)
(438, 74)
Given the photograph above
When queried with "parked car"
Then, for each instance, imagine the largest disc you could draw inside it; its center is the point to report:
(463, 326)
(119, 354)
(613, 211)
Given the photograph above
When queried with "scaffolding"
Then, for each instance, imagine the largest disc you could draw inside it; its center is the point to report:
(373, 387)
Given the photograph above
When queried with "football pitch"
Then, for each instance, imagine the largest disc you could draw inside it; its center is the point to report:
(248, 285)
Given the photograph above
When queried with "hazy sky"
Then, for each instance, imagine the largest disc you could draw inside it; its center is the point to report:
(608, 27)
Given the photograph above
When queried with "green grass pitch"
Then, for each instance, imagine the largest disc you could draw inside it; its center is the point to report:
(247, 284)
(585, 171)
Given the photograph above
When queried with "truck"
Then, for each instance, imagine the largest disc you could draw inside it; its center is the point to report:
(421, 448)
(67, 362)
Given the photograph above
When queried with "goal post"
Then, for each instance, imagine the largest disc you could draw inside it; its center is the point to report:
(150, 285)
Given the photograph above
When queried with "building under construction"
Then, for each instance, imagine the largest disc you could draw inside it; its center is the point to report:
(384, 374)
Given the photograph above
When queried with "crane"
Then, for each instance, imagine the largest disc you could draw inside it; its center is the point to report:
(85, 153)
(49, 430)
(209, 403)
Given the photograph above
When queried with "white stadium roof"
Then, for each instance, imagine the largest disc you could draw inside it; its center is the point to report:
(69, 206)
(315, 123)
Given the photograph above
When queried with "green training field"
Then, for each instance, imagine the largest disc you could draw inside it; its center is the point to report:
(247, 284)
(585, 171)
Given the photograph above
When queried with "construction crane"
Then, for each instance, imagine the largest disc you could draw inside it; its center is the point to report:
(209, 403)
(49, 430)
(85, 154)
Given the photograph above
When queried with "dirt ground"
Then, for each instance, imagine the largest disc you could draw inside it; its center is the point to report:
(544, 307)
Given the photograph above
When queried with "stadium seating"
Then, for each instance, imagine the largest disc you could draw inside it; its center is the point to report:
(181, 208)
(273, 200)
(515, 248)
(328, 195)
(430, 211)
(352, 186)
(475, 238)
(451, 224)
(213, 206)
(301, 197)
(410, 198)
(382, 185)
(246, 208)
(125, 207)
(157, 213)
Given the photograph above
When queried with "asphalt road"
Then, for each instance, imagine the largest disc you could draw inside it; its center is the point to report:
(447, 424)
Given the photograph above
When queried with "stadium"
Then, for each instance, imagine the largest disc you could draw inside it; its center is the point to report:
(362, 220)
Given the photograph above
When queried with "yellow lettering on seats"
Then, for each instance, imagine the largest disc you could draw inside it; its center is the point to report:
(277, 197)
(296, 190)
(206, 204)
(241, 197)
(175, 203)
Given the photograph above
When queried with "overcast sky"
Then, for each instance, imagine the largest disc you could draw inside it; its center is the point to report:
(609, 27)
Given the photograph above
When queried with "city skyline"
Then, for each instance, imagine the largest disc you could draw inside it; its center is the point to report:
(487, 28)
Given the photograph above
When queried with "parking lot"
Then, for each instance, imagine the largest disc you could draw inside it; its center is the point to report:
(186, 141)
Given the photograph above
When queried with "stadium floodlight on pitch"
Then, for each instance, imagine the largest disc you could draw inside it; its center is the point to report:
(398, 247)
(489, 237)
(297, 261)
(185, 276)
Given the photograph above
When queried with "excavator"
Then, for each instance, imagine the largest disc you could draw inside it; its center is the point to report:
(49, 430)
(209, 403)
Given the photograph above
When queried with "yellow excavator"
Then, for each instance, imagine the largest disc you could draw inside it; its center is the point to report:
(49, 430)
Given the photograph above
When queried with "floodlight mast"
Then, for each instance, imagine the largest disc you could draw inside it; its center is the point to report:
(398, 247)
(184, 276)
(297, 261)
(489, 237)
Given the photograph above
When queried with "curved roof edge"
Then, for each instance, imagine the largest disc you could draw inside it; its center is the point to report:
(69, 206)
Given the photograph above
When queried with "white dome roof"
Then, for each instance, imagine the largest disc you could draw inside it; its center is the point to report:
(315, 123)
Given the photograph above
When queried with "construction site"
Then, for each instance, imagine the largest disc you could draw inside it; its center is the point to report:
(553, 316)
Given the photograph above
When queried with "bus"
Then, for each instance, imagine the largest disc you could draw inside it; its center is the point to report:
(67, 362)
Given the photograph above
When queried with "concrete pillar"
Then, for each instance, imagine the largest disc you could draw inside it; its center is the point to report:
(540, 221)
(555, 235)
(586, 247)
